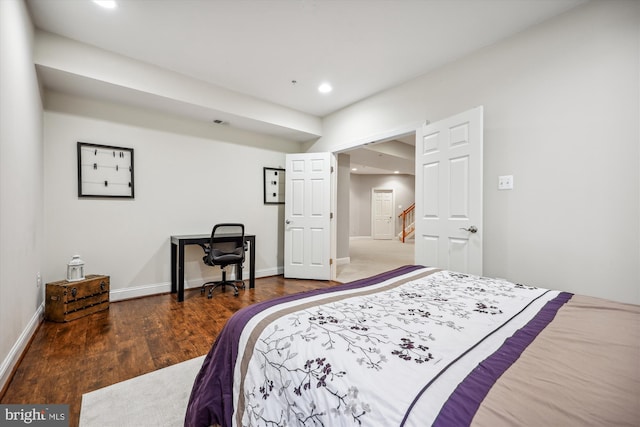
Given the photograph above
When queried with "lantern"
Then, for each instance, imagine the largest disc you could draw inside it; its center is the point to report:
(75, 269)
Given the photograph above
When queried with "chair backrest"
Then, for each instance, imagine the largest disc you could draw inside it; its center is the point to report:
(227, 238)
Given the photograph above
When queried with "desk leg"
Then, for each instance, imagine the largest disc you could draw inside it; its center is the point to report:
(174, 272)
(252, 264)
(181, 272)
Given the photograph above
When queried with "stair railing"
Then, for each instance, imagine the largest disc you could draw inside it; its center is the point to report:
(408, 221)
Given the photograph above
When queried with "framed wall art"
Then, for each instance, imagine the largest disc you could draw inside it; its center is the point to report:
(105, 171)
(274, 182)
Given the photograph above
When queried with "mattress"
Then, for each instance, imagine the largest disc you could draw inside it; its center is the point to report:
(420, 346)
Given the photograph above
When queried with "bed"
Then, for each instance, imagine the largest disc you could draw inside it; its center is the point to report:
(420, 346)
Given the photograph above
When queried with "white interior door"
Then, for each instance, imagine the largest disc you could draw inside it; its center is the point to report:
(382, 214)
(449, 193)
(308, 224)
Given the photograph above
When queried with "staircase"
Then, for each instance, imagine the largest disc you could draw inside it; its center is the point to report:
(408, 223)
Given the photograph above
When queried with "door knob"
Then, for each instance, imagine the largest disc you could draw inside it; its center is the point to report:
(287, 222)
(471, 229)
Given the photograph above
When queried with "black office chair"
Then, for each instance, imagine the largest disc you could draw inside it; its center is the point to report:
(226, 247)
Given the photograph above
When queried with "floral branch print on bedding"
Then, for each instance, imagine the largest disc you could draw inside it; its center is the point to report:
(298, 359)
(315, 374)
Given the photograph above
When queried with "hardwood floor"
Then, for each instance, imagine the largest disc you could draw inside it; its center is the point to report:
(133, 337)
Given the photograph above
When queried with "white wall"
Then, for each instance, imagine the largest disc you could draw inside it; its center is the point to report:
(21, 182)
(403, 187)
(562, 106)
(342, 206)
(187, 178)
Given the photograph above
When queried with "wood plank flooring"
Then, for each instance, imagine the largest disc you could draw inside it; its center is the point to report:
(133, 337)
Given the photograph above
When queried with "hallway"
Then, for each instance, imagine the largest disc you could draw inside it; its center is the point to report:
(369, 257)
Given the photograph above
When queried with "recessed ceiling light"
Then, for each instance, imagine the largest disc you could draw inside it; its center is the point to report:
(325, 88)
(354, 169)
(107, 4)
(396, 171)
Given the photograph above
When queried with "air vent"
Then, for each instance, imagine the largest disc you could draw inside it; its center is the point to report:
(220, 122)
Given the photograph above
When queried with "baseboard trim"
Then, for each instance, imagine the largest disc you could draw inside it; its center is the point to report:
(15, 354)
(139, 291)
(163, 288)
(343, 261)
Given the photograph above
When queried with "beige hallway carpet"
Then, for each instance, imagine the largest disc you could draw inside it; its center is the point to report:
(369, 257)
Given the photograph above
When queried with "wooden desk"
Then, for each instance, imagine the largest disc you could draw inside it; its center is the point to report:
(177, 259)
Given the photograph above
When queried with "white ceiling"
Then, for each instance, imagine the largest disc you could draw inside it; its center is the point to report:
(257, 47)
(396, 155)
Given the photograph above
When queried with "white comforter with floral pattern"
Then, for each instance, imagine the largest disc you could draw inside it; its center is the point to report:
(387, 354)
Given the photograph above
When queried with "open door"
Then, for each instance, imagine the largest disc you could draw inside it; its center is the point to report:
(308, 242)
(449, 193)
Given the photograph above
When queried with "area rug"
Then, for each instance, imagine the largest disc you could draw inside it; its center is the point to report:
(158, 398)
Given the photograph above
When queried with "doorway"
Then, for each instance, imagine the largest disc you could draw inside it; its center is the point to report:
(387, 163)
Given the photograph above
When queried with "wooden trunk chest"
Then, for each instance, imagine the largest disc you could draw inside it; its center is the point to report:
(65, 301)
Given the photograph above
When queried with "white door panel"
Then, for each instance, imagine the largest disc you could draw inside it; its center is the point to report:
(429, 249)
(430, 185)
(296, 235)
(449, 193)
(459, 191)
(458, 254)
(308, 225)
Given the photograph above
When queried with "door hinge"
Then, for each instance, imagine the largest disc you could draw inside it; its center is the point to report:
(331, 169)
(330, 261)
(331, 215)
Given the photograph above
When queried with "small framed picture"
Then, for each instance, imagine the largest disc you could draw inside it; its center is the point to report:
(274, 186)
(105, 171)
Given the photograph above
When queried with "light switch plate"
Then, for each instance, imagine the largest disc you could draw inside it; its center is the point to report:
(505, 182)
